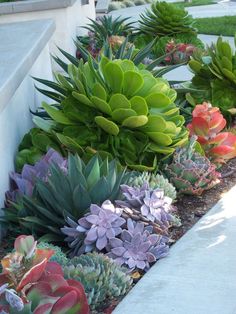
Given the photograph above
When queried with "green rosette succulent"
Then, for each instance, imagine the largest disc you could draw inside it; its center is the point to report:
(102, 278)
(119, 109)
(165, 19)
(190, 172)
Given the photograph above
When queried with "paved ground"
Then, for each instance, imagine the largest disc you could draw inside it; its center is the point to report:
(219, 9)
(199, 276)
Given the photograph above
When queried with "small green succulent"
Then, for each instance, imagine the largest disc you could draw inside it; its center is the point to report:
(102, 278)
(155, 181)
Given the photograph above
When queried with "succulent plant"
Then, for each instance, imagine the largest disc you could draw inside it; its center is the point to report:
(178, 52)
(66, 195)
(216, 74)
(31, 284)
(154, 181)
(165, 19)
(99, 225)
(152, 204)
(107, 26)
(206, 125)
(23, 183)
(58, 256)
(137, 123)
(102, 278)
(137, 247)
(190, 172)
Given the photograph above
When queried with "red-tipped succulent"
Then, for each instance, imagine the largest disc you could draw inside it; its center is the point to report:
(30, 281)
(178, 53)
(207, 124)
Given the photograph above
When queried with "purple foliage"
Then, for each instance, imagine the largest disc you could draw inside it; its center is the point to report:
(97, 227)
(137, 247)
(152, 204)
(23, 183)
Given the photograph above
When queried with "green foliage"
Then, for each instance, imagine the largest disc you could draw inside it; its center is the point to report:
(58, 256)
(101, 277)
(155, 181)
(165, 19)
(221, 25)
(114, 107)
(216, 75)
(107, 26)
(65, 194)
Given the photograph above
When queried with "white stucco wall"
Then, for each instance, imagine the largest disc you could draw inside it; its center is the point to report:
(68, 21)
(16, 120)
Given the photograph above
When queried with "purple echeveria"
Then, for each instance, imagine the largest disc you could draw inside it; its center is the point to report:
(103, 224)
(152, 204)
(23, 183)
(137, 247)
(134, 195)
(95, 228)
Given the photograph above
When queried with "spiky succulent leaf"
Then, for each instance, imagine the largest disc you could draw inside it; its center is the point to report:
(66, 194)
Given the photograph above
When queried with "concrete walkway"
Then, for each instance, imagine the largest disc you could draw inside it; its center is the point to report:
(220, 9)
(199, 276)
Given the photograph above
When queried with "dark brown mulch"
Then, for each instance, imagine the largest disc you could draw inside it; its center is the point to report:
(192, 208)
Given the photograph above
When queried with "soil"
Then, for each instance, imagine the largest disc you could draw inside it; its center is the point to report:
(192, 208)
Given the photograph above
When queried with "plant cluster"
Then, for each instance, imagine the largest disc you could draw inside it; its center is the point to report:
(65, 194)
(105, 226)
(118, 110)
(29, 283)
(178, 53)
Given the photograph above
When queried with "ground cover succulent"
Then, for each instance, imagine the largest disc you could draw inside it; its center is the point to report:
(154, 181)
(207, 124)
(102, 278)
(165, 19)
(29, 283)
(122, 110)
(23, 183)
(215, 73)
(190, 172)
(65, 195)
(137, 247)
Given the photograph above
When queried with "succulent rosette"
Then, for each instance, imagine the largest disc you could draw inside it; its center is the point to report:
(97, 227)
(152, 204)
(137, 247)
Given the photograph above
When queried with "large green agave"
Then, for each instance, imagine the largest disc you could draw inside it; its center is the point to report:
(117, 109)
(66, 193)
